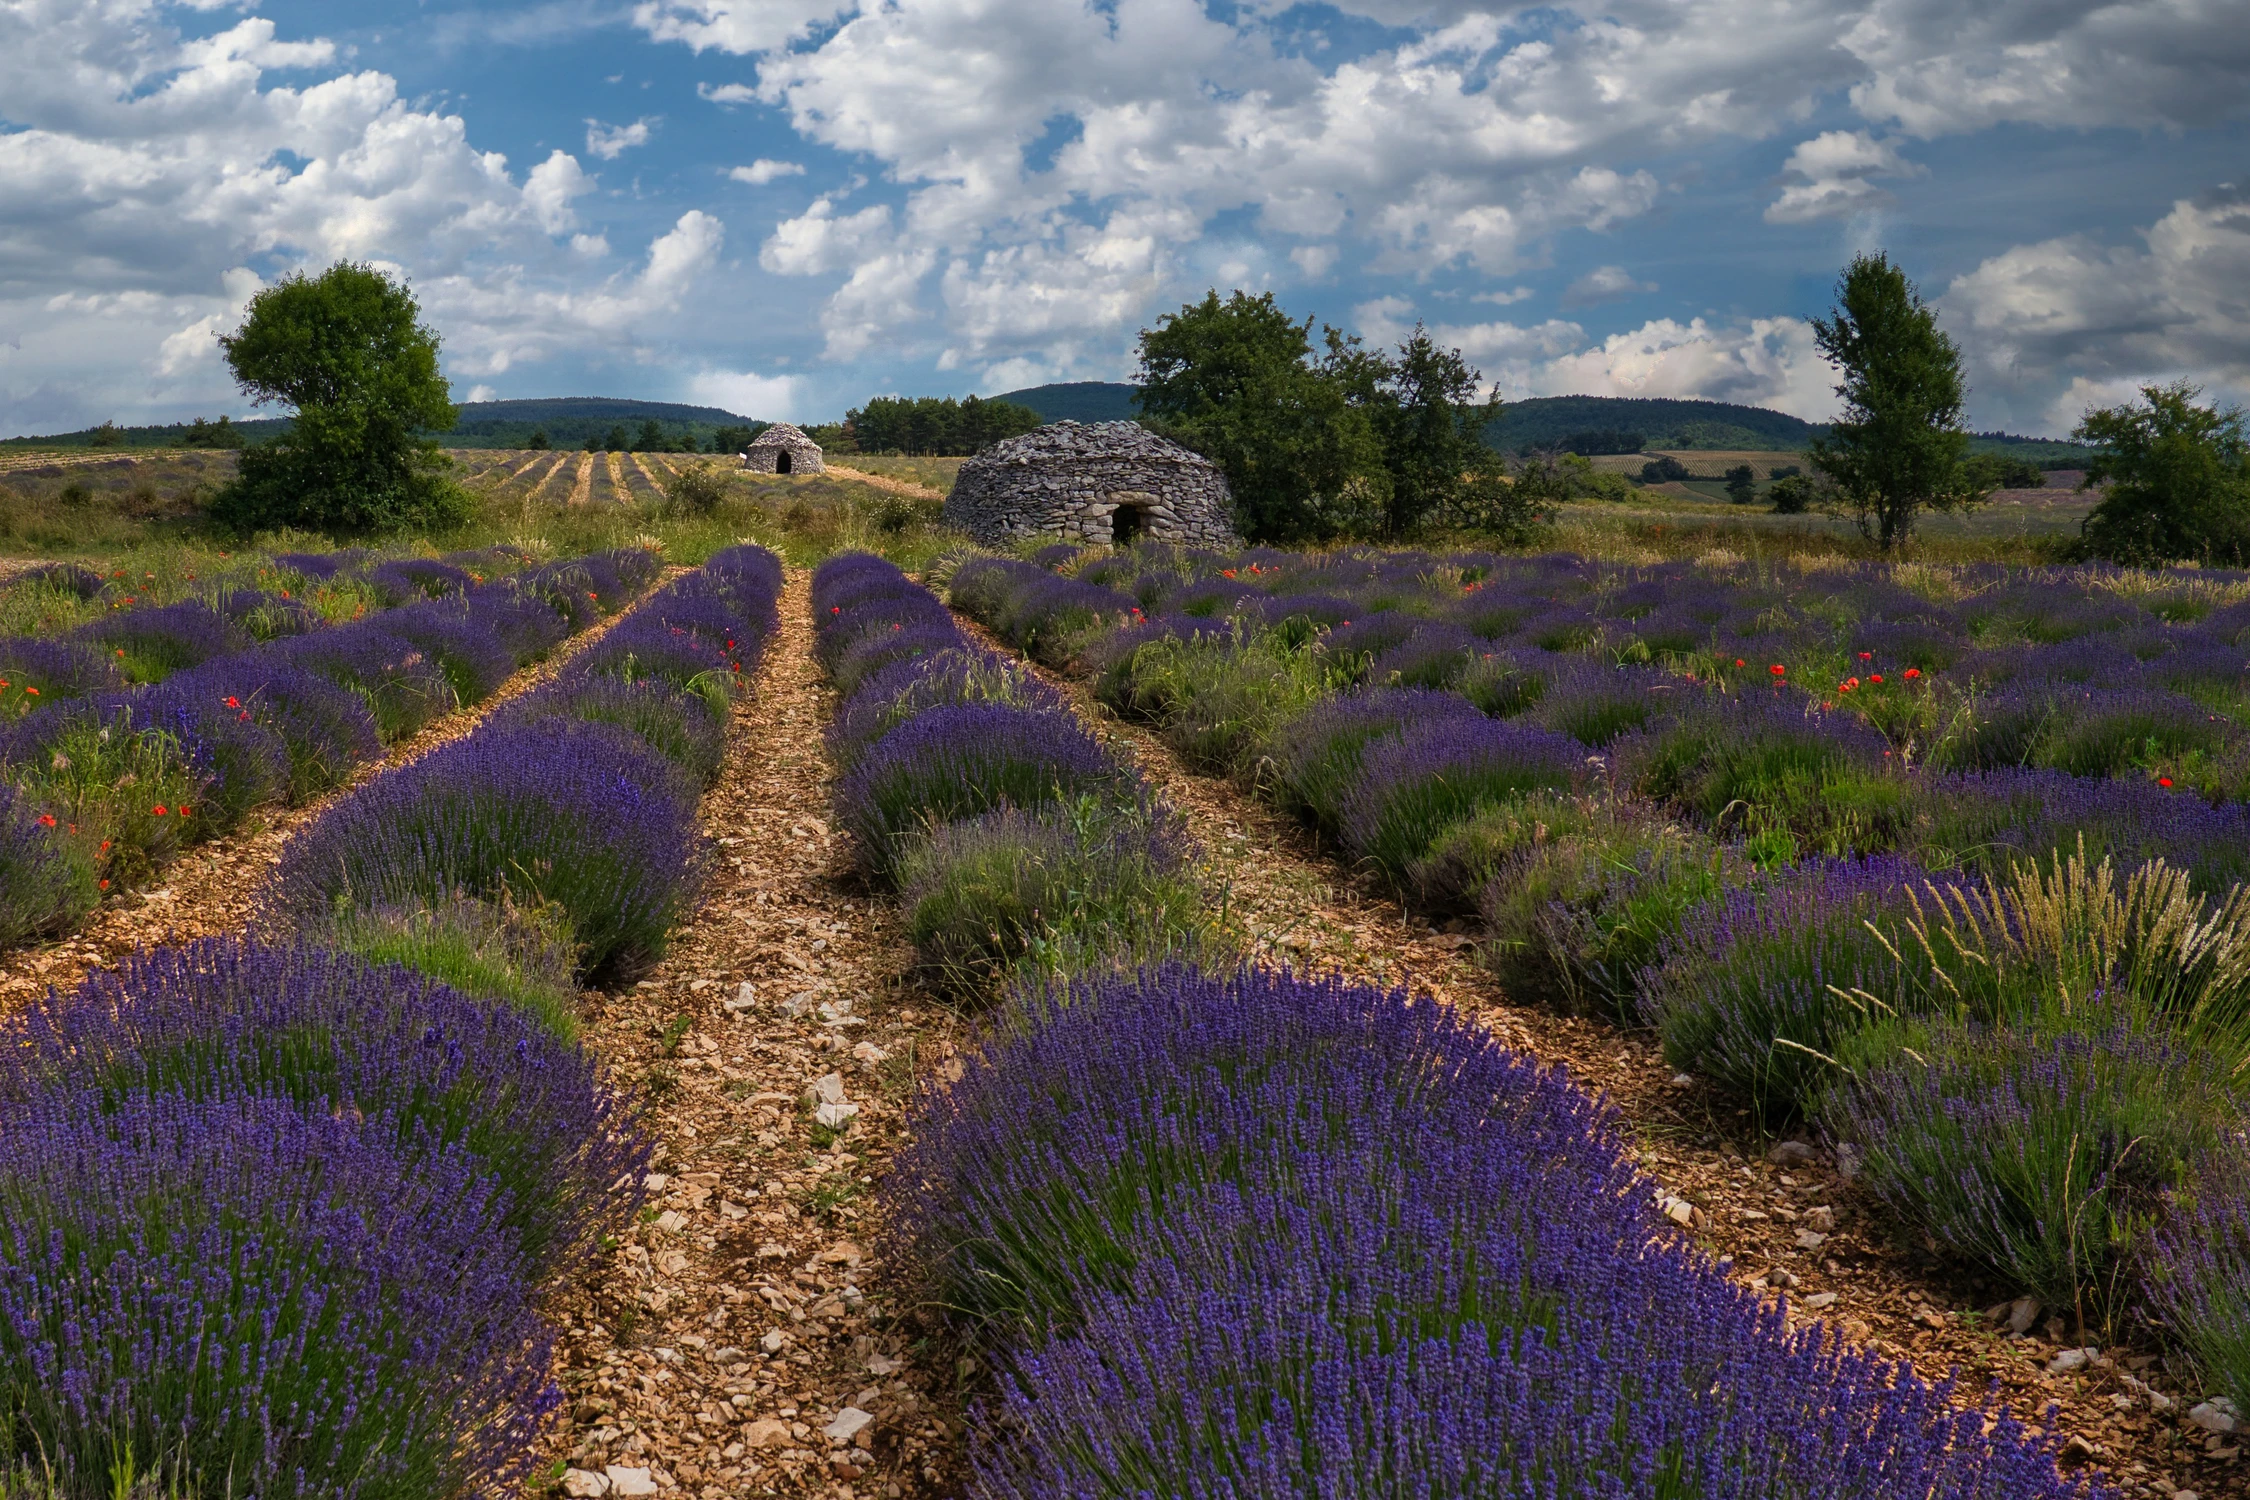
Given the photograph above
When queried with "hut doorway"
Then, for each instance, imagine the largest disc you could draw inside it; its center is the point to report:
(1125, 524)
(781, 462)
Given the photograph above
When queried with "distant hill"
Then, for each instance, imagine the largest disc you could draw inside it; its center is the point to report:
(1079, 401)
(1552, 421)
(567, 420)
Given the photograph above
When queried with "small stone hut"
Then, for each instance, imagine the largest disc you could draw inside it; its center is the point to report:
(1091, 482)
(783, 449)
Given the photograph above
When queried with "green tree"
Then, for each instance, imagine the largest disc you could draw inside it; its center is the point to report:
(734, 439)
(651, 439)
(593, 445)
(1429, 414)
(202, 434)
(108, 435)
(1742, 484)
(616, 442)
(2175, 478)
(1791, 495)
(538, 442)
(347, 351)
(1898, 449)
(1236, 381)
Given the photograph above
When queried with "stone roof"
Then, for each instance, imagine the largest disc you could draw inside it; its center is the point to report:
(1060, 442)
(783, 434)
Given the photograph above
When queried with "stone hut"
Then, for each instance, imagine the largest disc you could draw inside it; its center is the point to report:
(783, 449)
(1091, 482)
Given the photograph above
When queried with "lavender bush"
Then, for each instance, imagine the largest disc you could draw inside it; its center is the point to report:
(956, 761)
(152, 643)
(1433, 775)
(2035, 1156)
(327, 731)
(904, 689)
(1265, 1236)
(48, 877)
(242, 1298)
(403, 687)
(2196, 1272)
(229, 1018)
(582, 815)
(37, 673)
(1312, 760)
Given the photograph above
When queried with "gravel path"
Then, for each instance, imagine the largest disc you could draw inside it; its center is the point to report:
(1778, 1209)
(745, 1338)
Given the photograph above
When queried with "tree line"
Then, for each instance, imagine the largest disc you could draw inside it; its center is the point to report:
(927, 426)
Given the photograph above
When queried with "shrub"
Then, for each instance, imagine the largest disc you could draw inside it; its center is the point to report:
(328, 731)
(2036, 1156)
(432, 1069)
(683, 727)
(1412, 788)
(1312, 758)
(476, 662)
(581, 815)
(38, 673)
(1594, 702)
(1319, 1240)
(152, 643)
(698, 489)
(1772, 767)
(47, 875)
(956, 761)
(240, 1298)
(94, 771)
(2196, 1275)
(1218, 694)
(403, 687)
(1080, 886)
(1991, 821)
(902, 690)
(494, 950)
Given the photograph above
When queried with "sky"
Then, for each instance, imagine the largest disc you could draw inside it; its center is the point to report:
(784, 207)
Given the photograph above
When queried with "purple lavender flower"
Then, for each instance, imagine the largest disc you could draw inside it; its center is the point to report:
(235, 1291)
(2196, 1275)
(583, 815)
(1412, 788)
(152, 643)
(230, 1018)
(475, 661)
(955, 761)
(905, 689)
(404, 687)
(1314, 758)
(2034, 1155)
(57, 669)
(47, 877)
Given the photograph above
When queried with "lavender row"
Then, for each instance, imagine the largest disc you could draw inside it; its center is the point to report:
(1263, 1235)
(279, 1219)
(105, 787)
(1019, 842)
(2027, 1029)
(577, 803)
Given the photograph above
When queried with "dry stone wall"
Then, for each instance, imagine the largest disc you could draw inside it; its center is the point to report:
(1073, 480)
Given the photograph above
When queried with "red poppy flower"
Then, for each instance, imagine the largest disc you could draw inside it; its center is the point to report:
(46, 820)
(105, 885)
(186, 811)
(1912, 673)
(32, 692)
(2163, 781)
(1777, 669)
(157, 811)
(1866, 656)
(1876, 677)
(1738, 661)
(234, 703)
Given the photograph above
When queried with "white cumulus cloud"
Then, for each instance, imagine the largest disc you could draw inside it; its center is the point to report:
(746, 393)
(765, 170)
(609, 142)
(1832, 176)
(1604, 284)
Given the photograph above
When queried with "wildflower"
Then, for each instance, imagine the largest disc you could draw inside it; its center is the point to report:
(1854, 682)
(186, 811)
(1226, 572)
(1866, 656)
(1875, 677)
(46, 820)
(1738, 661)
(1778, 669)
(1912, 673)
(105, 842)
(121, 651)
(32, 692)
(2163, 781)
(234, 703)
(157, 811)
(105, 885)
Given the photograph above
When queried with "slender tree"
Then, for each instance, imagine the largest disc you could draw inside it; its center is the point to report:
(348, 353)
(1430, 414)
(1898, 449)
